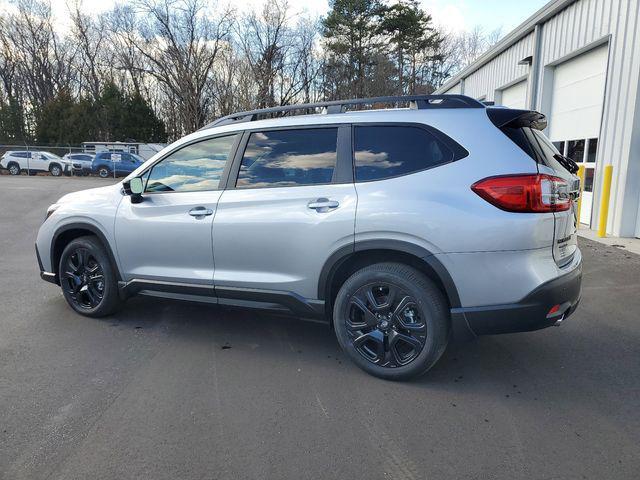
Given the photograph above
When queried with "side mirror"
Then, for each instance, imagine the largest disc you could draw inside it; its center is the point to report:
(134, 188)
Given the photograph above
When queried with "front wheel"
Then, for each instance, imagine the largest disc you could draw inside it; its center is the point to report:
(14, 169)
(103, 172)
(55, 170)
(87, 279)
(391, 320)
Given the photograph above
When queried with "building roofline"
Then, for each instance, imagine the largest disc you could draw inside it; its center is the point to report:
(517, 34)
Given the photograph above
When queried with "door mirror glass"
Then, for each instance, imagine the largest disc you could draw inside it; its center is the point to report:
(136, 186)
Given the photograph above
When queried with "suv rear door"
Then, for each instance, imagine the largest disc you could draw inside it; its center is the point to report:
(290, 202)
(524, 128)
(565, 238)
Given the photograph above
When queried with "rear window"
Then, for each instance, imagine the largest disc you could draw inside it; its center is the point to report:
(535, 144)
(389, 151)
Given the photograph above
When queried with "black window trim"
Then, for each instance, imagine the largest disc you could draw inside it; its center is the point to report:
(225, 172)
(342, 173)
(458, 151)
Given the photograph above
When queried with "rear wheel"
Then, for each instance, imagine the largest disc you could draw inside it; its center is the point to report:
(14, 169)
(87, 279)
(103, 172)
(391, 320)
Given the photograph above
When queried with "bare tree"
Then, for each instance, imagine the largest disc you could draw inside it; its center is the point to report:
(180, 41)
(43, 60)
(126, 56)
(280, 54)
(233, 84)
(472, 44)
(89, 35)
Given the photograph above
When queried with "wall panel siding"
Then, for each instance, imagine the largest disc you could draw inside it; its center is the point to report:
(501, 71)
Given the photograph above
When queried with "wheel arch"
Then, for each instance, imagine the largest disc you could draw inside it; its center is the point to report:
(348, 259)
(70, 232)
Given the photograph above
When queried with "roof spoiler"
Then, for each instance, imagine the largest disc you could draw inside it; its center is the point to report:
(508, 117)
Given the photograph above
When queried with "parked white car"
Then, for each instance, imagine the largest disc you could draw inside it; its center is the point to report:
(34, 161)
(81, 163)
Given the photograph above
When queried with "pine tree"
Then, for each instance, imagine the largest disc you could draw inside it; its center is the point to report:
(410, 31)
(12, 122)
(351, 32)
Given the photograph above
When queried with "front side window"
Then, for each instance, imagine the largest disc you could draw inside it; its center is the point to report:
(285, 158)
(389, 151)
(194, 168)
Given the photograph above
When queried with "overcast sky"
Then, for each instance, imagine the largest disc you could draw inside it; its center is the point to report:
(454, 15)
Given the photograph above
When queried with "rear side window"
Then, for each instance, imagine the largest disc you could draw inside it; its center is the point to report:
(285, 158)
(390, 151)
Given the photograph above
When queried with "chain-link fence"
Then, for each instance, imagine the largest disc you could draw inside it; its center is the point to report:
(60, 161)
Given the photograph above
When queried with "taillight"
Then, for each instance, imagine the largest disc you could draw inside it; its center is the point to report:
(525, 193)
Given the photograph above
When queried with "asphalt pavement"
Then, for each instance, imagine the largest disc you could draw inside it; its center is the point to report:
(172, 390)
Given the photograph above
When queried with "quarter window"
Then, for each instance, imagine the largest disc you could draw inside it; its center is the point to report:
(285, 158)
(193, 168)
(389, 151)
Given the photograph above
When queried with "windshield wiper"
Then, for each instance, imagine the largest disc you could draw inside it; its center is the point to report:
(566, 162)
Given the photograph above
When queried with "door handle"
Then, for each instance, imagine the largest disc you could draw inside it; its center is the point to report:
(200, 212)
(323, 205)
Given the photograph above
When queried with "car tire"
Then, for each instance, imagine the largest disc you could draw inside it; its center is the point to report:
(55, 170)
(14, 168)
(391, 320)
(103, 172)
(88, 280)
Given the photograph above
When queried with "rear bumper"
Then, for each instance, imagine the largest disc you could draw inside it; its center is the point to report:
(530, 313)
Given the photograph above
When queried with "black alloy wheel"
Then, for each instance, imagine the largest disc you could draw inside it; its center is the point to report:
(391, 320)
(88, 278)
(386, 325)
(83, 279)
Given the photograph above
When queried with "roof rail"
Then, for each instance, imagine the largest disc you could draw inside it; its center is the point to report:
(338, 106)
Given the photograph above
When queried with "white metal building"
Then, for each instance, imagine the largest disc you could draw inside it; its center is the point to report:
(578, 62)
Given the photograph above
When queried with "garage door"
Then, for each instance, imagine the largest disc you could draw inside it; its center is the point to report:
(515, 96)
(578, 91)
(576, 111)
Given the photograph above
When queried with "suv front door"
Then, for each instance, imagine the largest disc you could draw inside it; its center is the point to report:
(165, 240)
(290, 202)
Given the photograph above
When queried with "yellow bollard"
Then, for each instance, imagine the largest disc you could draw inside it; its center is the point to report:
(604, 201)
(580, 190)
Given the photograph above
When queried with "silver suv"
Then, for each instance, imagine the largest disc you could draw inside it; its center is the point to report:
(402, 226)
